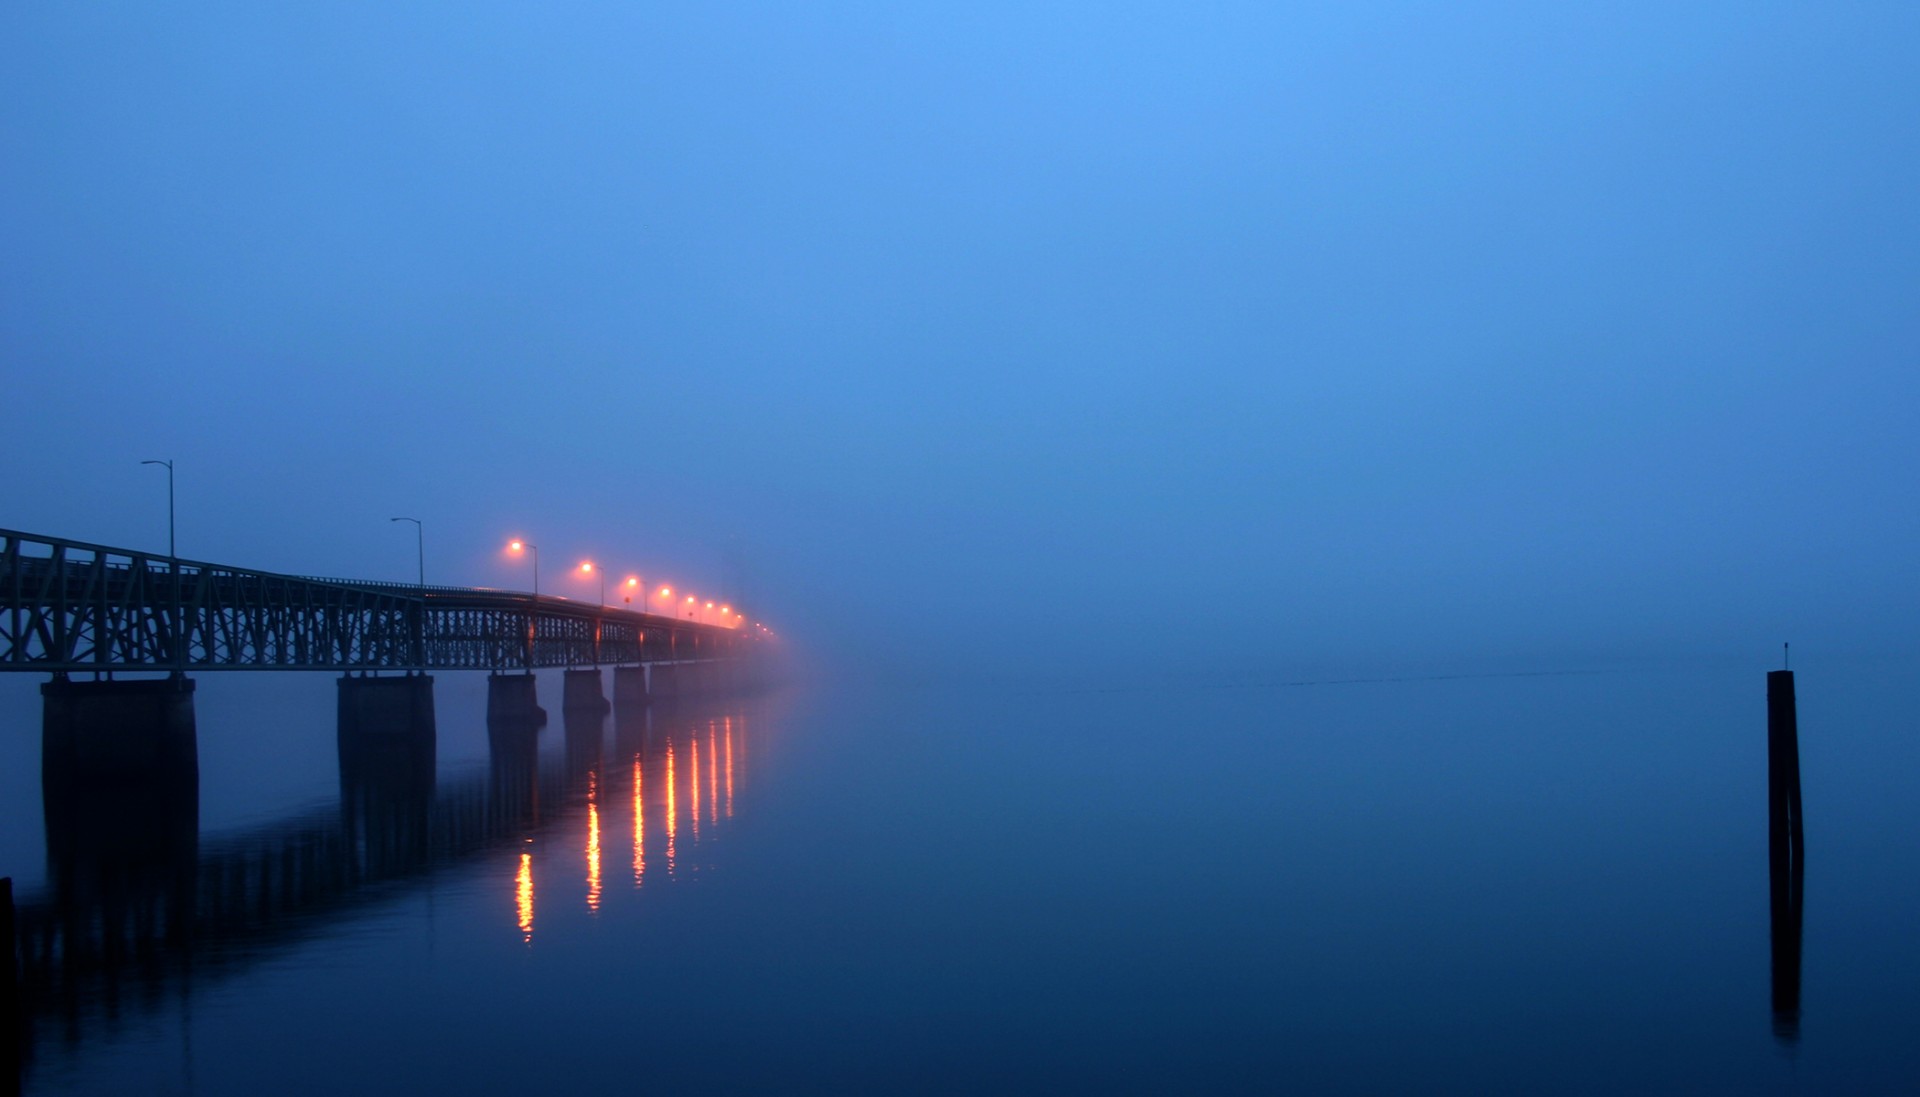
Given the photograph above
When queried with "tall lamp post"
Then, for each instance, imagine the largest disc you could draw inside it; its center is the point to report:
(173, 568)
(522, 546)
(168, 464)
(420, 549)
(420, 613)
(533, 614)
(587, 568)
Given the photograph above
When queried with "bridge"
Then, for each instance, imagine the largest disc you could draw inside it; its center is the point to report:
(68, 606)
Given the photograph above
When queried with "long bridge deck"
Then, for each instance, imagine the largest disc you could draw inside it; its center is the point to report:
(68, 606)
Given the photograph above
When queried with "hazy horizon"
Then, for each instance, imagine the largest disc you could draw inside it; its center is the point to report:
(1235, 339)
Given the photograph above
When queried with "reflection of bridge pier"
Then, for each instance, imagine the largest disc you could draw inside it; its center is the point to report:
(586, 735)
(387, 756)
(513, 773)
(139, 902)
(121, 794)
(630, 731)
(120, 786)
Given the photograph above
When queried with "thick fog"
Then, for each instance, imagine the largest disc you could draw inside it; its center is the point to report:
(1240, 339)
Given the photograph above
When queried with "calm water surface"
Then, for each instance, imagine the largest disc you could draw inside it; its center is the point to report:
(1501, 884)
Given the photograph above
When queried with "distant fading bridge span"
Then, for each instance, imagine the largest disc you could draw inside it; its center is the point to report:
(68, 606)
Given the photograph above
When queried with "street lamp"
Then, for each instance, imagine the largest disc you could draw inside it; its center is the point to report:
(587, 568)
(632, 584)
(178, 624)
(420, 548)
(418, 614)
(169, 466)
(517, 545)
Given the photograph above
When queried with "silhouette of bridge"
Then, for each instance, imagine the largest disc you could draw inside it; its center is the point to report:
(134, 888)
(68, 606)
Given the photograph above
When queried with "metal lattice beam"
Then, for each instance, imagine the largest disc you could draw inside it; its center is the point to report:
(69, 606)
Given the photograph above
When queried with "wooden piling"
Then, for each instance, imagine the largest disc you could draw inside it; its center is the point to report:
(9, 993)
(1786, 852)
(1783, 763)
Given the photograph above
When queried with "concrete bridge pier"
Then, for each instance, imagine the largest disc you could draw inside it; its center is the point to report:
(706, 678)
(105, 734)
(380, 711)
(629, 688)
(120, 786)
(582, 692)
(692, 679)
(387, 753)
(513, 699)
(665, 683)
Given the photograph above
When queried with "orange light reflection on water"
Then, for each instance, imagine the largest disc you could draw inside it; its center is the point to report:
(593, 843)
(639, 827)
(694, 746)
(713, 776)
(523, 896)
(673, 810)
(729, 767)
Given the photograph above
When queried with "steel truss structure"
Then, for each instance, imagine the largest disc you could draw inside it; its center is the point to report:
(68, 606)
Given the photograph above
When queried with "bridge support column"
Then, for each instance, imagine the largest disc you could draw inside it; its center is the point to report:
(137, 732)
(513, 699)
(386, 729)
(629, 688)
(665, 684)
(120, 786)
(582, 692)
(386, 707)
(387, 754)
(707, 677)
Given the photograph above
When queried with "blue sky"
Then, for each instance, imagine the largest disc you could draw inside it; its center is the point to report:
(1361, 332)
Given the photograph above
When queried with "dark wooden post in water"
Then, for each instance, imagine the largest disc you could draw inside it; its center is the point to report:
(1786, 838)
(9, 992)
(1783, 761)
